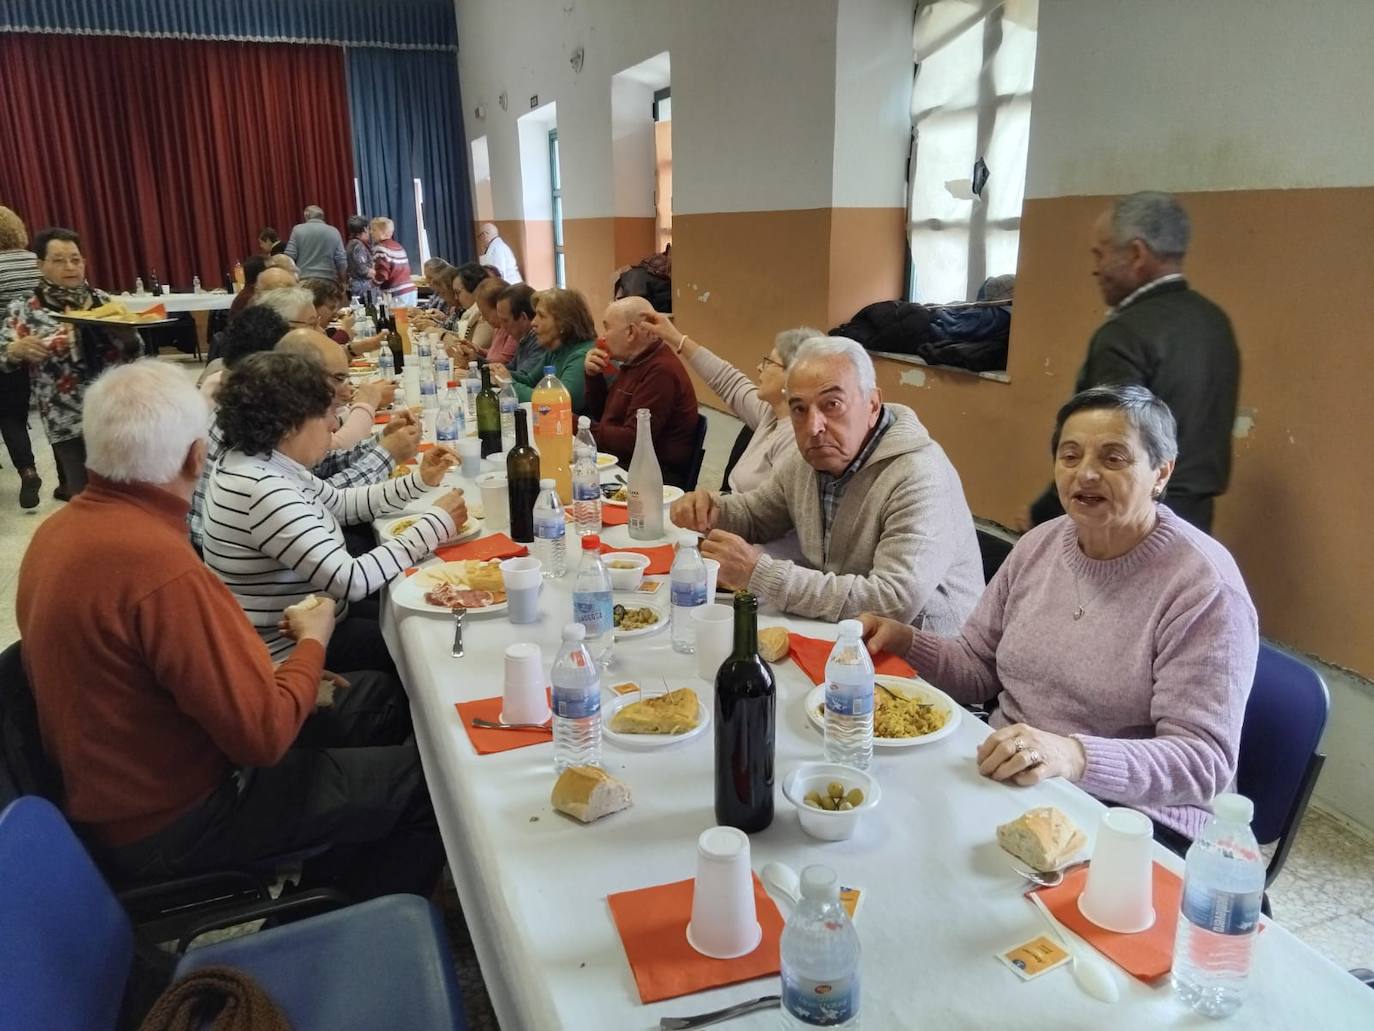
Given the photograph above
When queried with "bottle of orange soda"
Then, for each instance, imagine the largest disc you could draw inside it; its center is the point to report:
(553, 432)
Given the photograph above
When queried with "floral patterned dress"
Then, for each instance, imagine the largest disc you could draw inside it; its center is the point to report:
(75, 357)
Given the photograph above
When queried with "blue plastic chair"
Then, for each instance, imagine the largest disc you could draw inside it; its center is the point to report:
(1279, 740)
(66, 947)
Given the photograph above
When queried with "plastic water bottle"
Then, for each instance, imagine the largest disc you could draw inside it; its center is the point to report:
(138, 286)
(472, 384)
(1223, 887)
(195, 284)
(820, 957)
(429, 397)
(849, 699)
(386, 364)
(448, 423)
(592, 604)
(509, 401)
(687, 582)
(576, 703)
(586, 480)
(399, 400)
(550, 531)
(443, 366)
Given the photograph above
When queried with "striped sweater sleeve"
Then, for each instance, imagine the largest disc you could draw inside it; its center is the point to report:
(285, 527)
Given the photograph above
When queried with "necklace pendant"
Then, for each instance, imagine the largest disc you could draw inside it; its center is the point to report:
(1078, 613)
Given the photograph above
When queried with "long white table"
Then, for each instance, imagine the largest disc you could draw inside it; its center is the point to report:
(178, 302)
(940, 898)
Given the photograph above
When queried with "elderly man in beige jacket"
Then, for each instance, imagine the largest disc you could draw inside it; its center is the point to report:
(879, 510)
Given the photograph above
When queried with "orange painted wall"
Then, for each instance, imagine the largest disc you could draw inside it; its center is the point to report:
(589, 247)
(634, 239)
(537, 267)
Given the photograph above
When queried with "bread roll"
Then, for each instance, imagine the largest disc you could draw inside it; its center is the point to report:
(588, 793)
(305, 605)
(1041, 838)
(774, 644)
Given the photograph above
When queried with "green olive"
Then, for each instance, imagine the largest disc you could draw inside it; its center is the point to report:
(835, 789)
(827, 803)
(855, 797)
(813, 797)
(845, 805)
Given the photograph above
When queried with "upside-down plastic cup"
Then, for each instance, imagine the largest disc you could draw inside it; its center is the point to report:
(524, 580)
(725, 919)
(523, 697)
(712, 575)
(1119, 895)
(713, 630)
(495, 500)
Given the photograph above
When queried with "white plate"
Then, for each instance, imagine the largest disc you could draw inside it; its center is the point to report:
(670, 494)
(409, 593)
(644, 631)
(815, 701)
(472, 528)
(650, 741)
(605, 460)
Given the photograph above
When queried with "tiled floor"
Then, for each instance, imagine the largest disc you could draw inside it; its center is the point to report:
(1325, 894)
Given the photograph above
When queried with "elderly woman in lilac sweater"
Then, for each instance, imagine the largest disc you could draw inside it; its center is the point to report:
(1118, 640)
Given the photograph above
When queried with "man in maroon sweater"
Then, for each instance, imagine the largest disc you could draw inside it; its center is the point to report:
(650, 376)
(180, 747)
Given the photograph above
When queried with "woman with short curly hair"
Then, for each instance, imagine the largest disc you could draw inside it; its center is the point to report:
(273, 530)
(18, 277)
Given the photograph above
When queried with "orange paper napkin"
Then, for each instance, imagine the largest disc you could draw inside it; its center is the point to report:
(653, 928)
(811, 654)
(381, 418)
(660, 558)
(483, 549)
(488, 741)
(1147, 955)
(614, 515)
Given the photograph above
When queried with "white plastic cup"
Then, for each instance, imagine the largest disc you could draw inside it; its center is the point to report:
(1119, 895)
(524, 580)
(470, 450)
(495, 499)
(712, 575)
(725, 919)
(524, 698)
(713, 627)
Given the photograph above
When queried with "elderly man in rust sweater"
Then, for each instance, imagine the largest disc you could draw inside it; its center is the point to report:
(651, 376)
(180, 746)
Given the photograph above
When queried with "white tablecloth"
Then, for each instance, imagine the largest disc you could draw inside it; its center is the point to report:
(940, 899)
(177, 302)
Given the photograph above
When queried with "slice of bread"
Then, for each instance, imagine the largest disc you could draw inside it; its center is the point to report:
(1042, 838)
(588, 793)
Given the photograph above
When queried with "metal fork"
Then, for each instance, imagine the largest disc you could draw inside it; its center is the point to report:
(457, 651)
(766, 1002)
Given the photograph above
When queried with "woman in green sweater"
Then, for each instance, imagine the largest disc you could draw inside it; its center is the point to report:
(564, 328)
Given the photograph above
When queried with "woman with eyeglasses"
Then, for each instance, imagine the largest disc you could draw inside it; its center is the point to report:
(762, 406)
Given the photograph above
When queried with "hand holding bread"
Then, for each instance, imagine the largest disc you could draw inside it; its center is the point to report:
(309, 620)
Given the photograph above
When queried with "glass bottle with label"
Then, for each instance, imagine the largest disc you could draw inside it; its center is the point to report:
(645, 490)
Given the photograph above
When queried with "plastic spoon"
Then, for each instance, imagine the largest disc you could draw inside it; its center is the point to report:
(782, 879)
(1089, 969)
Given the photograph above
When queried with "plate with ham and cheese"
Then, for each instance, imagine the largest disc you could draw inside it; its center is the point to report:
(475, 587)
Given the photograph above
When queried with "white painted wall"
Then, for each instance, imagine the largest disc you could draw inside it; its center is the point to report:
(632, 144)
(1201, 95)
(873, 71)
(532, 131)
(753, 95)
(481, 179)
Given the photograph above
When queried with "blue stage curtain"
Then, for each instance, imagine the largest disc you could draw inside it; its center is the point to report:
(407, 120)
(419, 24)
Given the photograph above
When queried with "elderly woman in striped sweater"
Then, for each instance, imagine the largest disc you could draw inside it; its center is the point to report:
(273, 529)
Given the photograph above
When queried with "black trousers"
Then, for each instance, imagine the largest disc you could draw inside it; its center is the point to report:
(14, 417)
(352, 781)
(357, 642)
(71, 464)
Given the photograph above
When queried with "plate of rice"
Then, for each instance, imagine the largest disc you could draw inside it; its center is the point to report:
(906, 712)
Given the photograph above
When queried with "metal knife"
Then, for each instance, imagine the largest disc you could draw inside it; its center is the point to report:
(457, 633)
(766, 1002)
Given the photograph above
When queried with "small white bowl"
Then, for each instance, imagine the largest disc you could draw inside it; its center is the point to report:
(625, 579)
(822, 823)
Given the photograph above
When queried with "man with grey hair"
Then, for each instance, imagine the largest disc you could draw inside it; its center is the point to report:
(878, 509)
(317, 248)
(1163, 335)
(497, 253)
(182, 747)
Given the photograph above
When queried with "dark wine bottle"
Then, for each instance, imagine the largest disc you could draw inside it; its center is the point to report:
(154, 287)
(522, 480)
(746, 727)
(371, 308)
(488, 416)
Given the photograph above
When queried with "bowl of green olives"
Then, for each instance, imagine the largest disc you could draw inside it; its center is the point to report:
(830, 798)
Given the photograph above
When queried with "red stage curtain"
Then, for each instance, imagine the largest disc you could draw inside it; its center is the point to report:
(171, 154)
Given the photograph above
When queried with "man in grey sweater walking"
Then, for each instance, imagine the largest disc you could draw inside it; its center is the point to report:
(317, 248)
(879, 511)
